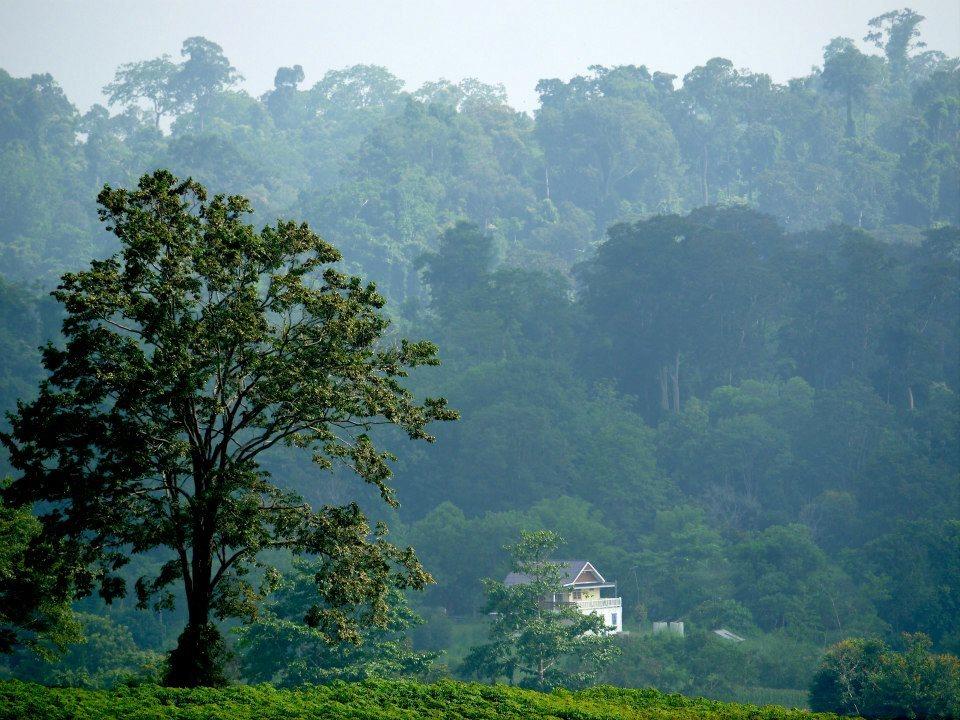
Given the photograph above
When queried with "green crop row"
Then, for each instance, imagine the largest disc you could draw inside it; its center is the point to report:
(373, 700)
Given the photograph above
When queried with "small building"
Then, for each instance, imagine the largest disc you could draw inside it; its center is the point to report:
(674, 627)
(728, 635)
(586, 589)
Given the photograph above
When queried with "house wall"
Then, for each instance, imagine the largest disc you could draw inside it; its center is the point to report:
(587, 594)
(613, 619)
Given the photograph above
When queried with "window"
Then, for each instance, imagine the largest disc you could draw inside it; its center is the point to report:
(576, 594)
(613, 619)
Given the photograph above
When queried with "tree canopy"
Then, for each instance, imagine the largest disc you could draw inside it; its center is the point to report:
(543, 642)
(200, 346)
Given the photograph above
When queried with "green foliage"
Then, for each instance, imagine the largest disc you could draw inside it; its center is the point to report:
(464, 257)
(279, 647)
(150, 80)
(26, 321)
(866, 678)
(646, 291)
(372, 700)
(35, 589)
(606, 145)
(913, 573)
(748, 420)
(200, 346)
(385, 171)
(850, 73)
(104, 654)
(701, 663)
(545, 642)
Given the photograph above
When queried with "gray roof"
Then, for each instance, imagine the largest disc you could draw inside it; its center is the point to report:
(569, 571)
(727, 635)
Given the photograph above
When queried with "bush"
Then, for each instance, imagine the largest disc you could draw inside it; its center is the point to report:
(865, 677)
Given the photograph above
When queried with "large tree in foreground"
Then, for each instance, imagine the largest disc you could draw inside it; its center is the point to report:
(199, 346)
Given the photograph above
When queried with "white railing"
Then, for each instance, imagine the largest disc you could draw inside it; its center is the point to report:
(600, 604)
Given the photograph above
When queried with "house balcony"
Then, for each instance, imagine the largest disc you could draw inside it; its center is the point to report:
(598, 604)
(613, 603)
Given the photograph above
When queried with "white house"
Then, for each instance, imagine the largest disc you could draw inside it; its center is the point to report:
(585, 588)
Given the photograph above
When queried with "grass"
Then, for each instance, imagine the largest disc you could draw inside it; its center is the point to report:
(371, 700)
(787, 697)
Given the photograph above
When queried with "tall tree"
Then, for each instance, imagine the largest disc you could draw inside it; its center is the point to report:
(286, 103)
(205, 72)
(605, 145)
(199, 346)
(676, 301)
(896, 33)
(547, 643)
(149, 80)
(848, 73)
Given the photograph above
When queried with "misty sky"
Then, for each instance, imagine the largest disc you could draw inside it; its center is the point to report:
(515, 42)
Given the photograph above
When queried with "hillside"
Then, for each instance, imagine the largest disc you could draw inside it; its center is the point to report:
(705, 329)
(371, 699)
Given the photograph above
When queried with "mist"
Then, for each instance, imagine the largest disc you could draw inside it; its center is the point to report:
(427, 359)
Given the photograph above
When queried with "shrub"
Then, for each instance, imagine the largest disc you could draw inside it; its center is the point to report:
(865, 677)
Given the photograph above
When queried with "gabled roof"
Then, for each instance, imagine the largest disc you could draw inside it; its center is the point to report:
(570, 572)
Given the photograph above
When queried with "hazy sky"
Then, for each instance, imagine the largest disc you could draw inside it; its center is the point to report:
(515, 42)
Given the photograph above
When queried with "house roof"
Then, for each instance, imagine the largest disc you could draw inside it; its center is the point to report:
(570, 571)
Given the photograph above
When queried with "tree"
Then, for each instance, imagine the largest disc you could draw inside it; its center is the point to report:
(196, 348)
(35, 588)
(849, 73)
(355, 88)
(286, 103)
(680, 564)
(674, 301)
(865, 677)
(546, 642)
(205, 72)
(150, 80)
(106, 655)
(464, 257)
(279, 647)
(896, 33)
(844, 671)
(288, 77)
(914, 571)
(605, 146)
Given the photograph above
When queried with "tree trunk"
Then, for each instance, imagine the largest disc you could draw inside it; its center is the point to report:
(706, 192)
(664, 389)
(851, 127)
(200, 654)
(198, 659)
(676, 383)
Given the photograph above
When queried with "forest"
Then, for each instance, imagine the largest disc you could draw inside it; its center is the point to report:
(705, 329)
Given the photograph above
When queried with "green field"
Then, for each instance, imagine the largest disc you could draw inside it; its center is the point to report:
(369, 700)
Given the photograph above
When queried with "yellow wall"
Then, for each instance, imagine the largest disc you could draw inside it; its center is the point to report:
(590, 594)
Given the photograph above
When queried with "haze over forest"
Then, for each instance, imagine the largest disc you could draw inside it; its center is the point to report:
(703, 325)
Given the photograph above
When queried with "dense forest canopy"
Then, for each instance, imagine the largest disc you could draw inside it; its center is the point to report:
(705, 328)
